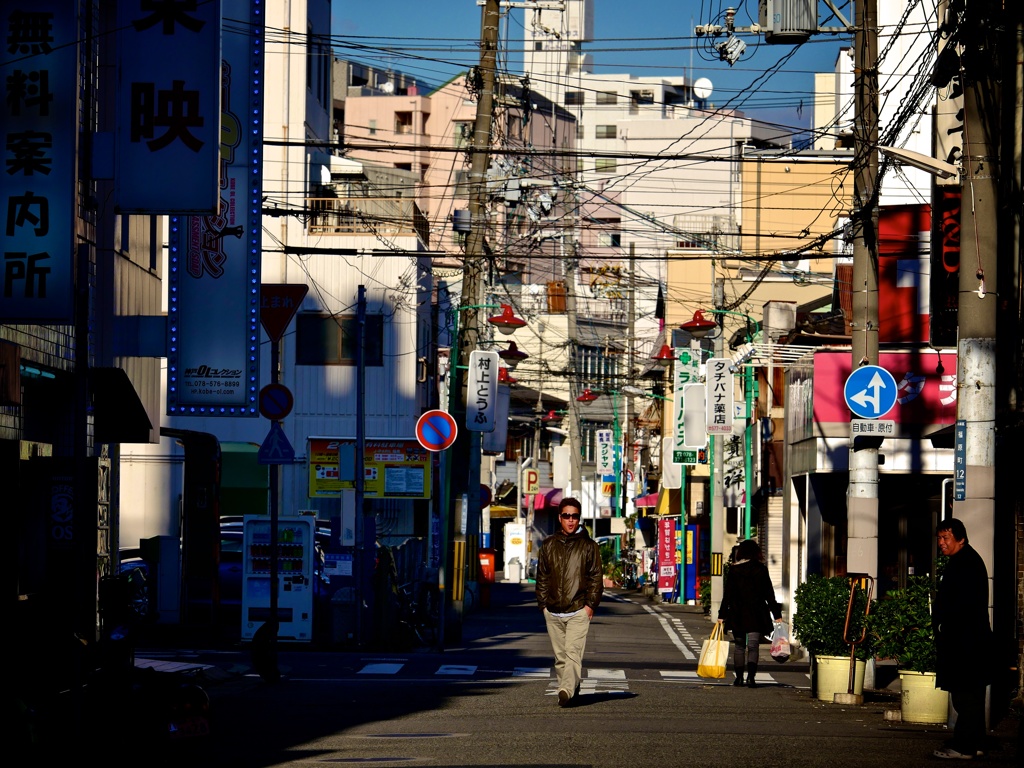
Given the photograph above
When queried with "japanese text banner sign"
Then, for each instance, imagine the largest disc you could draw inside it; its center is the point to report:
(214, 274)
(719, 403)
(482, 391)
(38, 129)
(168, 126)
(666, 555)
(605, 452)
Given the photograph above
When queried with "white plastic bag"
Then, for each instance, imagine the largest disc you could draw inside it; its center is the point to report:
(780, 642)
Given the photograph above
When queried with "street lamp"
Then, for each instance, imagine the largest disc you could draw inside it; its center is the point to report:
(506, 322)
(700, 326)
(513, 355)
(664, 356)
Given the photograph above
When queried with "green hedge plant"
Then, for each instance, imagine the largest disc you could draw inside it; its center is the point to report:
(901, 626)
(821, 604)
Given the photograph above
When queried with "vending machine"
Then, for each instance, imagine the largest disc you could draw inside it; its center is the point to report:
(295, 561)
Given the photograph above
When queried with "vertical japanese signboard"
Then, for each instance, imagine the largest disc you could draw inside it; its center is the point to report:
(605, 452)
(39, 130)
(482, 391)
(214, 296)
(689, 431)
(666, 555)
(168, 128)
(960, 460)
(719, 396)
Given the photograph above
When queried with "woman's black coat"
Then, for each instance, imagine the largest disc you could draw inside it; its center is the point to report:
(748, 601)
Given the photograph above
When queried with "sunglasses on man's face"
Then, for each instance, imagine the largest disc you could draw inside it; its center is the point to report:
(570, 515)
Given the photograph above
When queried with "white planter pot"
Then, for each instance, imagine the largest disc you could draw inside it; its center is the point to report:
(920, 700)
(832, 676)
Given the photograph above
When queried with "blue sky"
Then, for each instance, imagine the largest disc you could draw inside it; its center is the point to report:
(433, 39)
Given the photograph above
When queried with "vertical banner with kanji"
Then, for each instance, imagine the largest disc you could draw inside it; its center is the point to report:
(38, 129)
(168, 121)
(482, 390)
(605, 452)
(719, 396)
(666, 555)
(214, 297)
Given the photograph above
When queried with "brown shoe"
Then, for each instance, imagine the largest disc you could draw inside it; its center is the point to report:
(564, 698)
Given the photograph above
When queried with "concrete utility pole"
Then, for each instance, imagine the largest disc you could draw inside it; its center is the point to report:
(573, 417)
(862, 493)
(466, 450)
(717, 472)
(978, 295)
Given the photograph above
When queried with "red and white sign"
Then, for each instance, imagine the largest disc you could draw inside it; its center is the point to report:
(436, 430)
(904, 253)
(925, 383)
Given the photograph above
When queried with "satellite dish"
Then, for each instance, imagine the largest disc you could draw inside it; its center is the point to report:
(387, 87)
(702, 89)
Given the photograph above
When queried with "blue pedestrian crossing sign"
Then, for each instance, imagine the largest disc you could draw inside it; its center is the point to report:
(870, 392)
(276, 449)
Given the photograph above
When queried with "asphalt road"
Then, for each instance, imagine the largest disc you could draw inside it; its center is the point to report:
(489, 700)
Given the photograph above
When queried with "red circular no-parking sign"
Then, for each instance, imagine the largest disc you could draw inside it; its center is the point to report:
(436, 430)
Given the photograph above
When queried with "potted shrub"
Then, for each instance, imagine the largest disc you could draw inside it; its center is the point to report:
(901, 628)
(821, 605)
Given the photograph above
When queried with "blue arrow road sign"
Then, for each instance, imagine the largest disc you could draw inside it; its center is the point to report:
(870, 392)
(276, 449)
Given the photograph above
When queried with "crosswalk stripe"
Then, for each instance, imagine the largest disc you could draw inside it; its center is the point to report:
(606, 674)
(689, 676)
(380, 669)
(531, 672)
(456, 669)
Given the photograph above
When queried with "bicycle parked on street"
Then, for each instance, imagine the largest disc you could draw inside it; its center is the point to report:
(417, 614)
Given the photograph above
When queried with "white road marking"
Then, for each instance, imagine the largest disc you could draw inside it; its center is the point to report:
(380, 669)
(456, 669)
(532, 672)
(672, 635)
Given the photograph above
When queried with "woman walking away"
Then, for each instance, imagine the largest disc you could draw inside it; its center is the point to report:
(748, 605)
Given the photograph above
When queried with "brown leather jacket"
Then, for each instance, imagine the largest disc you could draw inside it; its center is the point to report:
(569, 572)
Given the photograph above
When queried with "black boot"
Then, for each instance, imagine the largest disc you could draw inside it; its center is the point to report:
(739, 675)
(751, 673)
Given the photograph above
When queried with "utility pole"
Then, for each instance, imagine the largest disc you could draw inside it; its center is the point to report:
(466, 450)
(978, 291)
(862, 493)
(717, 470)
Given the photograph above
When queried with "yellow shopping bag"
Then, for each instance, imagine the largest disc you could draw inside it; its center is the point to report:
(714, 654)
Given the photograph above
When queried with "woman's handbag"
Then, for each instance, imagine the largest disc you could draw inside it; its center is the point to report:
(780, 642)
(714, 654)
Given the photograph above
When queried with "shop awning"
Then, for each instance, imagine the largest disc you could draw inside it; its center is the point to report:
(650, 500)
(118, 413)
(548, 497)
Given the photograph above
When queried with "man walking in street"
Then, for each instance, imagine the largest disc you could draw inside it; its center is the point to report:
(963, 639)
(569, 588)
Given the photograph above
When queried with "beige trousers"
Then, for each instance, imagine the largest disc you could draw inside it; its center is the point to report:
(568, 640)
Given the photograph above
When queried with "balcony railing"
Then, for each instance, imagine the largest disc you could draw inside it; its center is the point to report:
(386, 216)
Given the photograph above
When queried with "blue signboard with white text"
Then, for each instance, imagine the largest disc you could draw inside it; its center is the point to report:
(38, 129)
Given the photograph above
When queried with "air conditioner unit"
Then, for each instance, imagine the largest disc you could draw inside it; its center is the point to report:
(795, 265)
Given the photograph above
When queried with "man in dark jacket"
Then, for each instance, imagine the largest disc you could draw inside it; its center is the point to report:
(570, 583)
(748, 604)
(963, 639)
